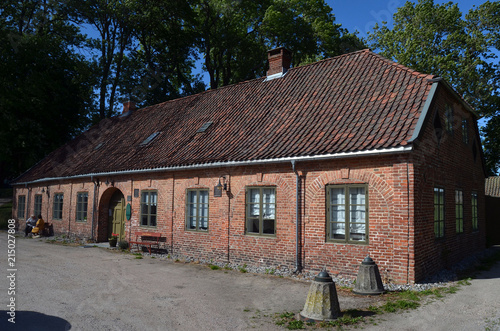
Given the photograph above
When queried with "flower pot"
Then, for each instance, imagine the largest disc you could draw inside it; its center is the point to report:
(112, 242)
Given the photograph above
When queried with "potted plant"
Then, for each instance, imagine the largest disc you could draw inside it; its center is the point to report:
(113, 240)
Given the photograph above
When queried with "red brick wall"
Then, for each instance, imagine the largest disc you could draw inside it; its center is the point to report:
(448, 164)
(400, 192)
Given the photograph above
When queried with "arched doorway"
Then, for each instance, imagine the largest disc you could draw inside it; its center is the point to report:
(116, 221)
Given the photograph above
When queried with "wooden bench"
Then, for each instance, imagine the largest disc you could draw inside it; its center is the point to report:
(139, 241)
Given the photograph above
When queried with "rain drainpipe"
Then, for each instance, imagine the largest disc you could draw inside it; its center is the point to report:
(93, 206)
(297, 183)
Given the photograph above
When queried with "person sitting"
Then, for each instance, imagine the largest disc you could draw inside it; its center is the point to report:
(30, 224)
(38, 229)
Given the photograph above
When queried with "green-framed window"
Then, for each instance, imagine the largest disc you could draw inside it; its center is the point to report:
(197, 209)
(439, 212)
(459, 210)
(58, 206)
(347, 213)
(82, 202)
(21, 207)
(260, 211)
(475, 226)
(465, 131)
(149, 204)
(37, 209)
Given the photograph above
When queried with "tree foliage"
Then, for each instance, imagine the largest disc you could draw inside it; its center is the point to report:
(45, 87)
(66, 64)
(436, 38)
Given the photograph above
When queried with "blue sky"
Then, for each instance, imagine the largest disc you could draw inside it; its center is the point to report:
(361, 15)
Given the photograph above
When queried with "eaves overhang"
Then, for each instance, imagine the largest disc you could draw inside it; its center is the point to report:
(374, 152)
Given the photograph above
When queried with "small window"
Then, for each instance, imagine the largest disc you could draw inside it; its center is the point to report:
(261, 210)
(38, 205)
(448, 119)
(465, 131)
(58, 206)
(347, 213)
(82, 199)
(438, 212)
(149, 139)
(459, 210)
(197, 210)
(204, 127)
(21, 207)
(149, 203)
(474, 211)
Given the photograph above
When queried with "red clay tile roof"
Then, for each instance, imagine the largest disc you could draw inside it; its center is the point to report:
(354, 102)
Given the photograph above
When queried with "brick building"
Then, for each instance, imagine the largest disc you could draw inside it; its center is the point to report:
(318, 166)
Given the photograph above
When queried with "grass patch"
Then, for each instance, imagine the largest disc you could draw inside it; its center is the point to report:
(393, 306)
(243, 269)
(213, 267)
(138, 257)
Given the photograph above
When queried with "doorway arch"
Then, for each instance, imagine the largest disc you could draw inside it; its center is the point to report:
(111, 214)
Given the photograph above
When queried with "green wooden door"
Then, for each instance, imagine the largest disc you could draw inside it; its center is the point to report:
(117, 217)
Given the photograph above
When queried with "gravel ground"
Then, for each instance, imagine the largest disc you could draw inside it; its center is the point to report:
(74, 288)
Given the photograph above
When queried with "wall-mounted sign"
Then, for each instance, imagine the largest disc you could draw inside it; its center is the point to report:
(128, 211)
(217, 191)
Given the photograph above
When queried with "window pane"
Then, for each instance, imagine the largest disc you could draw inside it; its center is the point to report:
(268, 226)
(203, 196)
(152, 220)
(203, 223)
(191, 196)
(253, 225)
(337, 213)
(337, 196)
(144, 220)
(192, 223)
(337, 230)
(254, 195)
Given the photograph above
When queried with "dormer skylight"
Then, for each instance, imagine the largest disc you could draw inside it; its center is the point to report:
(204, 127)
(98, 146)
(149, 139)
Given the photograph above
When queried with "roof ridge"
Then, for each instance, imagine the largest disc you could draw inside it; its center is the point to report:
(402, 67)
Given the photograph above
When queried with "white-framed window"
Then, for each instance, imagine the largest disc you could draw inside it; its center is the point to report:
(197, 209)
(347, 213)
(261, 211)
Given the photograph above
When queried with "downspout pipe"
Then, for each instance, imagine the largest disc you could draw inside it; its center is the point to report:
(297, 216)
(96, 181)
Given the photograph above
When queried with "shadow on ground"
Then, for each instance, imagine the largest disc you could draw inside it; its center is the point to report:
(31, 321)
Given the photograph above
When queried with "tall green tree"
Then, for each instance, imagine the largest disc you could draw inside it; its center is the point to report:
(436, 38)
(45, 86)
(235, 35)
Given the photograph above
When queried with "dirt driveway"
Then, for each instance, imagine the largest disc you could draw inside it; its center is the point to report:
(75, 288)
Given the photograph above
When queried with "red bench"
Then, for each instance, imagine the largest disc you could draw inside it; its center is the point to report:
(152, 239)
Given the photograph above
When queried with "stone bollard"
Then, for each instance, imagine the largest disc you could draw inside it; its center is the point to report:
(322, 303)
(368, 281)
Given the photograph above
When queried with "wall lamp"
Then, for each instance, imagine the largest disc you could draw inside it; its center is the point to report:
(223, 185)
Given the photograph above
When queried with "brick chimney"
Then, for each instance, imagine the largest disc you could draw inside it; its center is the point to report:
(128, 107)
(279, 61)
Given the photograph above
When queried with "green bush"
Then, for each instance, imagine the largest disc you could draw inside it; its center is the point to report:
(123, 244)
(5, 215)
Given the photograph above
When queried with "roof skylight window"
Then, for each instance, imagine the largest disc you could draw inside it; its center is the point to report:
(204, 127)
(98, 146)
(149, 139)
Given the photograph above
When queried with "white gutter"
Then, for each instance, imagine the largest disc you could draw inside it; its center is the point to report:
(385, 151)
